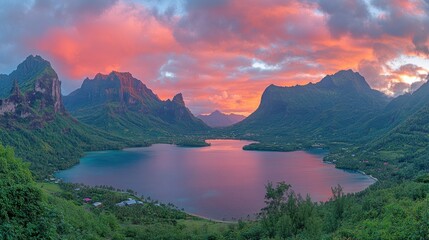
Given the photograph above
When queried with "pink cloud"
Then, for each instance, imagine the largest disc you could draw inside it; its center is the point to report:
(121, 38)
(222, 55)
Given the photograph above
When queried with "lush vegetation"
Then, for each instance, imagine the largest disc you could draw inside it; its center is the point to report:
(56, 144)
(400, 154)
(396, 212)
(59, 211)
(281, 147)
(115, 118)
(23, 213)
(30, 210)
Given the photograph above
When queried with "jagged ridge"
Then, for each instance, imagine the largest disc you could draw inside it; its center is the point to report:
(121, 103)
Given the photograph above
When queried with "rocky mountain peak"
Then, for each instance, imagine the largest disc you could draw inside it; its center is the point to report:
(179, 99)
(34, 87)
(33, 62)
(120, 80)
(116, 88)
(345, 79)
(216, 112)
(121, 75)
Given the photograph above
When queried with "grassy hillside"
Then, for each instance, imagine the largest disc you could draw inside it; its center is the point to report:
(400, 154)
(57, 143)
(112, 117)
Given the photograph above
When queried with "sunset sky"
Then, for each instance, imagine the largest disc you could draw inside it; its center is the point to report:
(221, 54)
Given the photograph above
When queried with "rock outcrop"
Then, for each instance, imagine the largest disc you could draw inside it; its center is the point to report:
(34, 90)
(121, 103)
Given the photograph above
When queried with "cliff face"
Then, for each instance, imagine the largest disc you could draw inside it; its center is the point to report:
(116, 87)
(32, 90)
(50, 89)
(121, 103)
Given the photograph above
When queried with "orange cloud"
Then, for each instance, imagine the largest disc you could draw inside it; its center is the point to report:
(222, 55)
(121, 38)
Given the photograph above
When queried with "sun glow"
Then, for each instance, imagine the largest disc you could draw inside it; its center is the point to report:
(409, 79)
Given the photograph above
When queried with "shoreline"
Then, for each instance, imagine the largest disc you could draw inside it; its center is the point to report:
(353, 170)
(210, 219)
(370, 176)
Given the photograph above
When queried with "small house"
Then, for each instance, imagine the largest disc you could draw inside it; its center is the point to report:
(128, 202)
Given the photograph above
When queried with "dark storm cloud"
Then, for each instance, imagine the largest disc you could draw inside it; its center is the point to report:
(398, 18)
(348, 16)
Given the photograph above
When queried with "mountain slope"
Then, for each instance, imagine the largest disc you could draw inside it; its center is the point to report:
(219, 119)
(332, 109)
(120, 103)
(401, 149)
(405, 147)
(33, 120)
(400, 108)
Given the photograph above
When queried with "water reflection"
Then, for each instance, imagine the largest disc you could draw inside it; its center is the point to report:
(220, 181)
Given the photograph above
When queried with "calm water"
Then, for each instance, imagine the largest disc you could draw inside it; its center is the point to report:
(221, 181)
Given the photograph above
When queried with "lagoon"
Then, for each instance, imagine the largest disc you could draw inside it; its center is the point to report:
(221, 181)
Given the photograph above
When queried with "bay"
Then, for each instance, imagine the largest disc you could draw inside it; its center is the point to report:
(221, 181)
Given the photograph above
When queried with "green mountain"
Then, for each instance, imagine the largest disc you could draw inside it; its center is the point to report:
(402, 149)
(333, 109)
(34, 73)
(401, 108)
(122, 104)
(33, 120)
(363, 129)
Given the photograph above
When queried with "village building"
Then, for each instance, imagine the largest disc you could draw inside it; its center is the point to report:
(128, 202)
